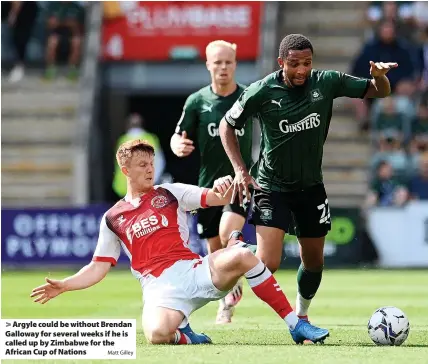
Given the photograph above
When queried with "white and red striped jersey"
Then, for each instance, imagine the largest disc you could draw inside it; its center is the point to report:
(152, 229)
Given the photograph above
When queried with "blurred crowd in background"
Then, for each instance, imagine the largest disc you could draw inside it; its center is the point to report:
(397, 125)
(51, 31)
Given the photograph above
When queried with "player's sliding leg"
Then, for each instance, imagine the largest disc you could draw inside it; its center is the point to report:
(309, 274)
(229, 264)
(163, 325)
(230, 221)
(225, 312)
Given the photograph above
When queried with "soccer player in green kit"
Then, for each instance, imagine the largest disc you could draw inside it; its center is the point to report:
(200, 120)
(294, 107)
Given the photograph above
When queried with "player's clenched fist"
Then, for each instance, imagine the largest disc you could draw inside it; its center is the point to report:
(223, 184)
(181, 145)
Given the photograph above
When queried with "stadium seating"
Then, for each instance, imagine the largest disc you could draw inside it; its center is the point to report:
(38, 126)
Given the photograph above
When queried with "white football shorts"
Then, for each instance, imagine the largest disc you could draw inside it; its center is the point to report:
(186, 286)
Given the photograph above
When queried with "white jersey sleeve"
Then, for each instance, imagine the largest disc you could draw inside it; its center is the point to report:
(189, 197)
(108, 246)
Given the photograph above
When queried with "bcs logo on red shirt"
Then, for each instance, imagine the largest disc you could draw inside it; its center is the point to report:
(147, 226)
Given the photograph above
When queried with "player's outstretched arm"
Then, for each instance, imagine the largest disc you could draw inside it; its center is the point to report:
(88, 276)
(379, 86)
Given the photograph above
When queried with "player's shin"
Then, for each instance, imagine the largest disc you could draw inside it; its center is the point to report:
(265, 286)
(308, 283)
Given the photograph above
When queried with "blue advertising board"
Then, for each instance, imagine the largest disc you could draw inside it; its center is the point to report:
(36, 237)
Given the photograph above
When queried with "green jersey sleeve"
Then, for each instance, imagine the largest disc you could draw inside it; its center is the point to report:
(347, 85)
(246, 106)
(189, 117)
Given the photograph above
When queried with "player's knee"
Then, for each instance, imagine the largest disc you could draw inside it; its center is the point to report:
(272, 264)
(224, 237)
(315, 265)
(270, 260)
(156, 339)
(244, 257)
(158, 336)
(313, 262)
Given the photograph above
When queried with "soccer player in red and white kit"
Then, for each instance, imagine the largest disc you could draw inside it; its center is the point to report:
(150, 224)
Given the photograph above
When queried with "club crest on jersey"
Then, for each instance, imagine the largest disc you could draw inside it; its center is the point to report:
(316, 95)
(159, 201)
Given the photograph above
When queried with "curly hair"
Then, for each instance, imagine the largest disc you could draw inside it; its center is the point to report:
(296, 42)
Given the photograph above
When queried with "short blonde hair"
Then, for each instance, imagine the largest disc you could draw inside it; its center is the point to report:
(127, 149)
(220, 43)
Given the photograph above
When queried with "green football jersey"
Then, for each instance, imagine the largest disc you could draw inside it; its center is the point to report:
(294, 123)
(201, 118)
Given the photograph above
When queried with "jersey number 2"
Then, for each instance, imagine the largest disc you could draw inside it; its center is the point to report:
(325, 214)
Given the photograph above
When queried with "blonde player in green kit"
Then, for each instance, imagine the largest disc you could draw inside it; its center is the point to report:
(199, 121)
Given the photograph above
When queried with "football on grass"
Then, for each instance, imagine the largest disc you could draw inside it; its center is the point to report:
(388, 326)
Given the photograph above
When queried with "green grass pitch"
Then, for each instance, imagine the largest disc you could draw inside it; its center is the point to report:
(344, 304)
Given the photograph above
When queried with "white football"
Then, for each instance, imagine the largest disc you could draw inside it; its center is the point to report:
(388, 326)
